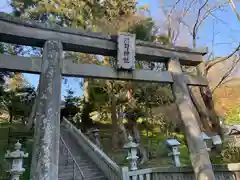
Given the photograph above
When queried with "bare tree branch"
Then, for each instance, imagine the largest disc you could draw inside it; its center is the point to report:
(209, 12)
(196, 23)
(226, 75)
(174, 6)
(180, 21)
(168, 15)
(234, 9)
(214, 62)
(187, 10)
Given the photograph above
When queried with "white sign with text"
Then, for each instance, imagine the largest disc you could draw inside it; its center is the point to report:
(126, 51)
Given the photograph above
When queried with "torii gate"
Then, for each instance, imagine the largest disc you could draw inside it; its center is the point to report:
(52, 66)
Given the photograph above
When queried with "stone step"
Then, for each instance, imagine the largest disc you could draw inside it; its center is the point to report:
(64, 173)
(87, 166)
(97, 178)
(69, 174)
(84, 170)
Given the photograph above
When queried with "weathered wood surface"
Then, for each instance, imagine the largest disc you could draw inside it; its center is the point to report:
(25, 32)
(33, 65)
(199, 156)
(46, 137)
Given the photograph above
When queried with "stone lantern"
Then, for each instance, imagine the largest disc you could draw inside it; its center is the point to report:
(132, 153)
(96, 136)
(16, 158)
(205, 139)
(173, 146)
(217, 142)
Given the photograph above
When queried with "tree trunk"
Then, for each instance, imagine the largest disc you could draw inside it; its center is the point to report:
(134, 128)
(209, 111)
(123, 132)
(201, 108)
(208, 101)
(31, 119)
(115, 137)
(23, 120)
(86, 90)
(136, 133)
(87, 122)
(194, 40)
(143, 157)
(206, 111)
(11, 117)
(119, 131)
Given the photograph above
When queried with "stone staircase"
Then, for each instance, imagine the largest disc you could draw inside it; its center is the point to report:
(74, 164)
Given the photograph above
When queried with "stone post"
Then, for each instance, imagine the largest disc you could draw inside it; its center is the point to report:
(132, 153)
(17, 161)
(198, 154)
(46, 136)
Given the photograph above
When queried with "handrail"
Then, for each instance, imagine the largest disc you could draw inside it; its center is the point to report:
(99, 153)
(74, 160)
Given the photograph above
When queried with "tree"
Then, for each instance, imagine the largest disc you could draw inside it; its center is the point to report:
(109, 17)
(71, 106)
(94, 15)
(80, 13)
(17, 102)
(188, 17)
(3, 73)
(122, 96)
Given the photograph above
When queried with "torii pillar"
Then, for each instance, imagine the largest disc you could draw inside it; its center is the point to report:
(198, 154)
(47, 127)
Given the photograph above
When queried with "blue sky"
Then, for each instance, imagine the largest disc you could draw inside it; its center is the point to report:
(227, 36)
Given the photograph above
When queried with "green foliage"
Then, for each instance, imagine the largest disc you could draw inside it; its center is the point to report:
(233, 117)
(3, 73)
(230, 154)
(144, 30)
(153, 94)
(71, 106)
(98, 94)
(8, 144)
(18, 102)
(77, 13)
(167, 128)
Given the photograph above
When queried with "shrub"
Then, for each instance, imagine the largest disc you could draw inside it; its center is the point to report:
(230, 154)
(233, 116)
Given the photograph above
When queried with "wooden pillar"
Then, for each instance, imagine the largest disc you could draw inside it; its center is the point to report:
(47, 131)
(199, 156)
